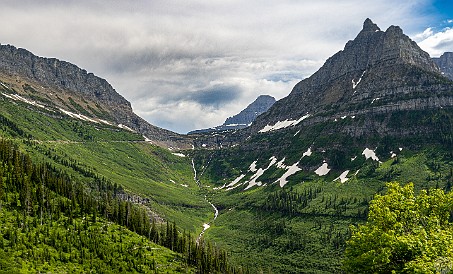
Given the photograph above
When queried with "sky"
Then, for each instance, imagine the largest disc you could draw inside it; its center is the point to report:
(190, 64)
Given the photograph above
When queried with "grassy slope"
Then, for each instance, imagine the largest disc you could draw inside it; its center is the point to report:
(119, 155)
(312, 239)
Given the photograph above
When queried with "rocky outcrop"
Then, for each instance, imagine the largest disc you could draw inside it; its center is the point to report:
(445, 63)
(244, 118)
(65, 85)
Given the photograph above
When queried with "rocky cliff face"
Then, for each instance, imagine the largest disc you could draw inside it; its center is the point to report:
(65, 86)
(445, 63)
(377, 72)
(371, 89)
(244, 118)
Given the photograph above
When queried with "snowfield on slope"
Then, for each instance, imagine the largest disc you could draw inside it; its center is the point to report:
(283, 124)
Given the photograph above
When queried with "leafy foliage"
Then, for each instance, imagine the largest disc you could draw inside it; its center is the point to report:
(405, 233)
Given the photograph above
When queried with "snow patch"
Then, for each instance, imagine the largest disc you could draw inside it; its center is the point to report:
(17, 97)
(221, 187)
(179, 154)
(375, 99)
(290, 171)
(342, 177)
(281, 163)
(307, 153)
(78, 116)
(231, 185)
(368, 153)
(322, 170)
(146, 139)
(184, 185)
(283, 124)
(255, 177)
(401, 149)
(253, 180)
(353, 158)
(392, 154)
(107, 123)
(273, 161)
(203, 145)
(234, 125)
(354, 83)
(252, 167)
(126, 127)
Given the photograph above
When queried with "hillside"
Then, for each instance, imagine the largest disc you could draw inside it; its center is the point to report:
(71, 91)
(136, 185)
(377, 111)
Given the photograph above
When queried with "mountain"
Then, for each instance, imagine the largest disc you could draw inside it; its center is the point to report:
(290, 185)
(245, 117)
(376, 75)
(379, 72)
(249, 114)
(73, 91)
(445, 63)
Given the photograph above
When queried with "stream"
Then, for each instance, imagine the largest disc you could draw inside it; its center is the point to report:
(216, 211)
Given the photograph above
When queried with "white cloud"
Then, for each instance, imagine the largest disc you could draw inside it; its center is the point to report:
(422, 36)
(163, 54)
(438, 42)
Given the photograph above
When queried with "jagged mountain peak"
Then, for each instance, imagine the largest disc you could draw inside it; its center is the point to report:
(374, 47)
(376, 65)
(368, 25)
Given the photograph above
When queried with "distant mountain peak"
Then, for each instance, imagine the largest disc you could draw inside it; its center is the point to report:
(445, 63)
(249, 114)
(244, 118)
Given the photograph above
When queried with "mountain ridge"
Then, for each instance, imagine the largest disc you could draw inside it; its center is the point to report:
(445, 63)
(341, 75)
(63, 85)
(377, 73)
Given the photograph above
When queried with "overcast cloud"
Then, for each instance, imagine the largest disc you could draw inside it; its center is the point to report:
(187, 65)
